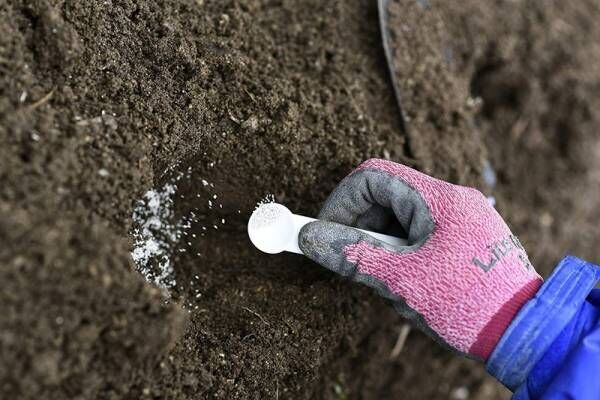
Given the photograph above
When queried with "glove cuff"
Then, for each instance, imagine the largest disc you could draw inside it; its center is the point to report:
(495, 328)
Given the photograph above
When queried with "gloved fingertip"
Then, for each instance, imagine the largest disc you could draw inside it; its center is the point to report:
(324, 242)
(310, 237)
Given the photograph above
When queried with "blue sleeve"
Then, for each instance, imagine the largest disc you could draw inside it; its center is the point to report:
(551, 350)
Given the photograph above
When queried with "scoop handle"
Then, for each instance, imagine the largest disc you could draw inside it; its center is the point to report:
(301, 220)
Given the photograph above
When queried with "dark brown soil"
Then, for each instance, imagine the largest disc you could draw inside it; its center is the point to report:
(436, 101)
(534, 67)
(99, 98)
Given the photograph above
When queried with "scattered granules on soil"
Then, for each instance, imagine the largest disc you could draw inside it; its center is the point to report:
(155, 236)
(160, 230)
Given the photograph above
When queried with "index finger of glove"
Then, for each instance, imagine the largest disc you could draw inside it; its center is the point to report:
(326, 242)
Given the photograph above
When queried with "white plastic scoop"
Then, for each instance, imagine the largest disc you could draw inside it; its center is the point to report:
(273, 228)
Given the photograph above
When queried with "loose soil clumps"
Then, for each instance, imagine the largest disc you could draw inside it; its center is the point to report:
(102, 101)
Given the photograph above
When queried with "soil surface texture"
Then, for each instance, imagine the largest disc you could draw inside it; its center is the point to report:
(120, 117)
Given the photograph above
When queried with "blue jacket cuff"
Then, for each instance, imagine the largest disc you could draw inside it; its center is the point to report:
(541, 320)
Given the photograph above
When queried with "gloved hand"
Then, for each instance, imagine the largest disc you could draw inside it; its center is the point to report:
(463, 275)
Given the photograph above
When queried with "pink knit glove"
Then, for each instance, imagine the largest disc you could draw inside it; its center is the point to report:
(463, 275)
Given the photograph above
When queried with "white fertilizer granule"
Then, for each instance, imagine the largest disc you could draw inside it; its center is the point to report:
(265, 215)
